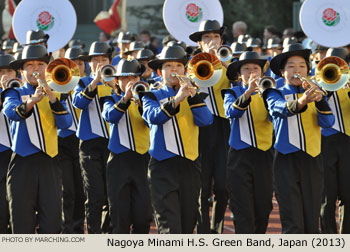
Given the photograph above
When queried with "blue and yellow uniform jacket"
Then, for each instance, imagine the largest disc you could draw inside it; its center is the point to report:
(250, 124)
(34, 131)
(339, 102)
(127, 127)
(5, 135)
(91, 124)
(174, 131)
(297, 130)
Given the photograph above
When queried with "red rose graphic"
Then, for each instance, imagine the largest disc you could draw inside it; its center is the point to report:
(192, 10)
(44, 18)
(329, 14)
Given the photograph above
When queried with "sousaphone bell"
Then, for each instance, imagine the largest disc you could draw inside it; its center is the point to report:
(62, 75)
(205, 69)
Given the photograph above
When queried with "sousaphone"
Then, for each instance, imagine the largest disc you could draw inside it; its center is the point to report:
(57, 18)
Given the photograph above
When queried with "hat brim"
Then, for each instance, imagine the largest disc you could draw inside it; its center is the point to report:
(197, 36)
(17, 64)
(156, 63)
(142, 70)
(276, 62)
(235, 67)
(81, 57)
(99, 54)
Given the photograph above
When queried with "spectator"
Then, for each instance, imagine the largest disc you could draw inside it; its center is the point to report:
(270, 31)
(238, 28)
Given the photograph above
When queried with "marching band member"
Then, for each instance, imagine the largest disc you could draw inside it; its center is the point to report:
(134, 48)
(36, 38)
(213, 139)
(68, 156)
(123, 42)
(127, 186)
(6, 73)
(174, 112)
(297, 116)
(144, 56)
(93, 134)
(250, 156)
(33, 180)
(336, 157)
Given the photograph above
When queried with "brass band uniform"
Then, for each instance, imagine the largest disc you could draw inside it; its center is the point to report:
(33, 181)
(297, 115)
(174, 117)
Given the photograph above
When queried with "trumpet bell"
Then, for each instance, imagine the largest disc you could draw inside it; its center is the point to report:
(62, 75)
(205, 69)
(266, 82)
(224, 53)
(108, 72)
(14, 83)
(139, 86)
(332, 73)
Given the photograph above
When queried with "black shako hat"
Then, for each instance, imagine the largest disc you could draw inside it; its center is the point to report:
(129, 68)
(7, 44)
(5, 60)
(31, 52)
(169, 53)
(76, 53)
(17, 47)
(274, 43)
(125, 37)
(207, 26)
(145, 54)
(253, 42)
(76, 43)
(135, 46)
(338, 52)
(36, 37)
(100, 49)
(289, 51)
(238, 48)
(289, 41)
(245, 58)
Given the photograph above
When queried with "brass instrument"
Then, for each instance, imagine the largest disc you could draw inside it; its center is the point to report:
(108, 72)
(182, 78)
(139, 86)
(265, 83)
(224, 53)
(332, 73)
(311, 84)
(14, 83)
(62, 75)
(205, 69)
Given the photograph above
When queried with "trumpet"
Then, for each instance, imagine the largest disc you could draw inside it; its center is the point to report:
(139, 86)
(265, 83)
(14, 83)
(310, 84)
(108, 72)
(224, 53)
(182, 78)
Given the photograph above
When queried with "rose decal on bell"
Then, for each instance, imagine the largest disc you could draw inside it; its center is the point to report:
(330, 17)
(45, 21)
(193, 12)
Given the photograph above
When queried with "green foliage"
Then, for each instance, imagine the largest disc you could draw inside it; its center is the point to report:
(149, 17)
(258, 14)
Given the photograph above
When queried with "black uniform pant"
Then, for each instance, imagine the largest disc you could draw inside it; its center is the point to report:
(128, 193)
(5, 157)
(336, 160)
(249, 183)
(175, 185)
(93, 159)
(299, 186)
(73, 192)
(213, 146)
(33, 185)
